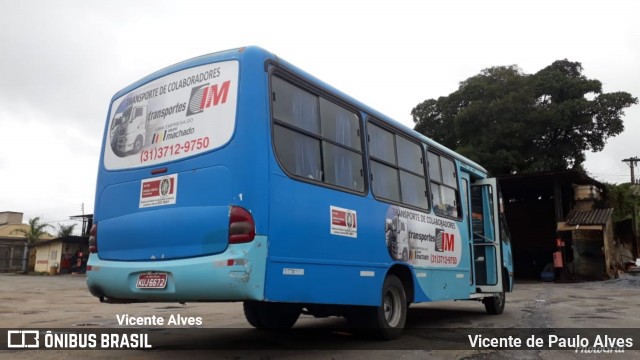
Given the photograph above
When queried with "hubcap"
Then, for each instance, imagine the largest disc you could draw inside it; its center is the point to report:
(391, 306)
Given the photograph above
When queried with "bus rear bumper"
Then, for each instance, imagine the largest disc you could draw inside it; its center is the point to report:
(234, 275)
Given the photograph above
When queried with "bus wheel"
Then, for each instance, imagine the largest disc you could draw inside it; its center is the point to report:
(271, 315)
(495, 304)
(391, 316)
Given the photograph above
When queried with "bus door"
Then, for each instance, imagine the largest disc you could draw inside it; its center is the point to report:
(486, 236)
(466, 211)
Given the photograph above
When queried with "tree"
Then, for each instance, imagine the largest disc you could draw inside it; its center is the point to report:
(512, 122)
(65, 230)
(622, 199)
(34, 232)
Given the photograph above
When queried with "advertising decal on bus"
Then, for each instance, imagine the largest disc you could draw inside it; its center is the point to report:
(422, 239)
(343, 222)
(179, 115)
(158, 191)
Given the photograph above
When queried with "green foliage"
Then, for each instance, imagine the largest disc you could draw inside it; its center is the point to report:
(66, 230)
(622, 199)
(512, 122)
(35, 231)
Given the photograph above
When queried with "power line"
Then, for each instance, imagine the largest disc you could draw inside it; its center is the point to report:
(617, 178)
(57, 221)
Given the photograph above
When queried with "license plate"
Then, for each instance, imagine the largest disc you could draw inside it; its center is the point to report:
(152, 281)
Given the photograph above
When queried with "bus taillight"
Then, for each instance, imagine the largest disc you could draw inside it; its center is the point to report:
(242, 229)
(93, 239)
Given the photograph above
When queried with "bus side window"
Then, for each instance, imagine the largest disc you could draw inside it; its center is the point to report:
(316, 139)
(397, 168)
(444, 185)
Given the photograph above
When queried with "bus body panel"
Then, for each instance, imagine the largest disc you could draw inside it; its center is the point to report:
(323, 282)
(308, 262)
(160, 234)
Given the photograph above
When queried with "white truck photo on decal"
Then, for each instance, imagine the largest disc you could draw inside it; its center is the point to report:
(397, 238)
(129, 130)
(422, 239)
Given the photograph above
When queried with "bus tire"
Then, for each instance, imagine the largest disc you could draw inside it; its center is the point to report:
(271, 315)
(495, 304)
(391, 316)
(251, 313)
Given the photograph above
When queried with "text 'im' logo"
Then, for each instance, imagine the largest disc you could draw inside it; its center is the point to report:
(444, 241)
(205, 96)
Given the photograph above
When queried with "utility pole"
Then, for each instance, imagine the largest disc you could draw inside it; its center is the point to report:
(633, 162)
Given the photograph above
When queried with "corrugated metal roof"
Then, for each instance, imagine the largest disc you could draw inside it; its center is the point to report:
(589, 217)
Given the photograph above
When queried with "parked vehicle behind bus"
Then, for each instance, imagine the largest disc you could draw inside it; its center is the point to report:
(259, 183)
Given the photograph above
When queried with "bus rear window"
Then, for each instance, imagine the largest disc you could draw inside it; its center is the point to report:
(179, 115)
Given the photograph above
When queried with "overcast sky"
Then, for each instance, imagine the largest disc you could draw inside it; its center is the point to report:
(61, 61)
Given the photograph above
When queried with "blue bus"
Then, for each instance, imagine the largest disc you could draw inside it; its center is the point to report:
(237, 176)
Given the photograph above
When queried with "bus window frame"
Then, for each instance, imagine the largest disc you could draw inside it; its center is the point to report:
(397, 132)
(317, 91)
(440, 155)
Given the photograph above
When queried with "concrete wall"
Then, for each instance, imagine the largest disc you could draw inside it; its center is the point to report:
(10, 217)
(48, 255)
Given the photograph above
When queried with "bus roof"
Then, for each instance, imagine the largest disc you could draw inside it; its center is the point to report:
(255, 51)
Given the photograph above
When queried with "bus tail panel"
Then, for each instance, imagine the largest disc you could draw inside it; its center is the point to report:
(165, 234)
(171, 216)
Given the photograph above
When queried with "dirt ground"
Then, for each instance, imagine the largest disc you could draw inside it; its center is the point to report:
(53, 302)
